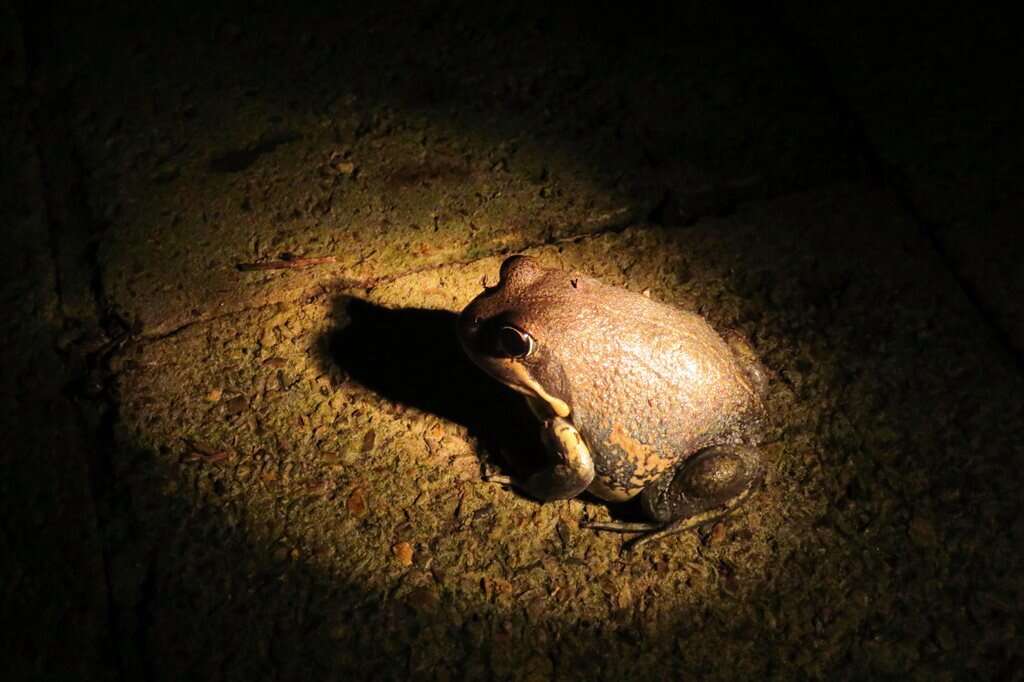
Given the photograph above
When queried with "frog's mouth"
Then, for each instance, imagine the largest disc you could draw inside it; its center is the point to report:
(532, 389)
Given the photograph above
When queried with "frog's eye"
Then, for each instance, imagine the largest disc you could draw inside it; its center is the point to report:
(515, 343)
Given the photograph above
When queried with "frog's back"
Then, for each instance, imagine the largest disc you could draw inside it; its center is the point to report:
(651, 384)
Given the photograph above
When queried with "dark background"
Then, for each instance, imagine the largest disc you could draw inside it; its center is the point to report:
(841, 183)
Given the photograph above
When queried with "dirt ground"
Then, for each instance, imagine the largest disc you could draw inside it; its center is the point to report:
(217, 471)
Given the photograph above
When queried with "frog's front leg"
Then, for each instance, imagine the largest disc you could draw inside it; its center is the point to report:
(708, 486)
(570, 473)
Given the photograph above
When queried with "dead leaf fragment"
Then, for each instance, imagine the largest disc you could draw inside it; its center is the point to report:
(717, 534)
(403, 552)
(201, 453)
(356, 503)
(210, 457)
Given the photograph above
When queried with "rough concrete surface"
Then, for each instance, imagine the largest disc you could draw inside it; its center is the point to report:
(221, 472)
(933, 94)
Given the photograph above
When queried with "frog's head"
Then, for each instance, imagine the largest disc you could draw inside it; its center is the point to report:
(511, 331)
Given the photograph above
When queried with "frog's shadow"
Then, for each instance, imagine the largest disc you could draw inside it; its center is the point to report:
(411, 356)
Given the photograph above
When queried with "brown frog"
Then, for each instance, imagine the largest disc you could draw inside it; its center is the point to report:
(635, 397)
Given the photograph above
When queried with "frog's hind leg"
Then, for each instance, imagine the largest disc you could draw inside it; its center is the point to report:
(711, 484)
(706, 487)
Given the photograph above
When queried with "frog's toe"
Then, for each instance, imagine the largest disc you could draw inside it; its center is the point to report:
(754, 370)
(498, 479)
(621, 526)
(680, 525)
(492, 474)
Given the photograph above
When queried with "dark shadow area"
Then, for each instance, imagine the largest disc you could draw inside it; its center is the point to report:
(611, 94)
(195, 594)
(412, 357)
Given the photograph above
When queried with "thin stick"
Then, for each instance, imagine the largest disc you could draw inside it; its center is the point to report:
(289, 264)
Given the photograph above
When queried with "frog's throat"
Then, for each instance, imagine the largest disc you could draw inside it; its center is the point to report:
(528, 385)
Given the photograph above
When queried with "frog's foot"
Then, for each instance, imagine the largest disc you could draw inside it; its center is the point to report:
(573, 470)
(754, 370)
(710, 485)
(653, 531)
(566, 477)
(664, 530)
(622, 526)
(491, 474)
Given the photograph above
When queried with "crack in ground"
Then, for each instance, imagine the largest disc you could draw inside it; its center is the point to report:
(65, 211)
(988, 314)
(347, 285)
(343, 285)
(884, 175)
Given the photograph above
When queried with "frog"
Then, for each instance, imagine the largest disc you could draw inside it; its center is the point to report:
(634, 397)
